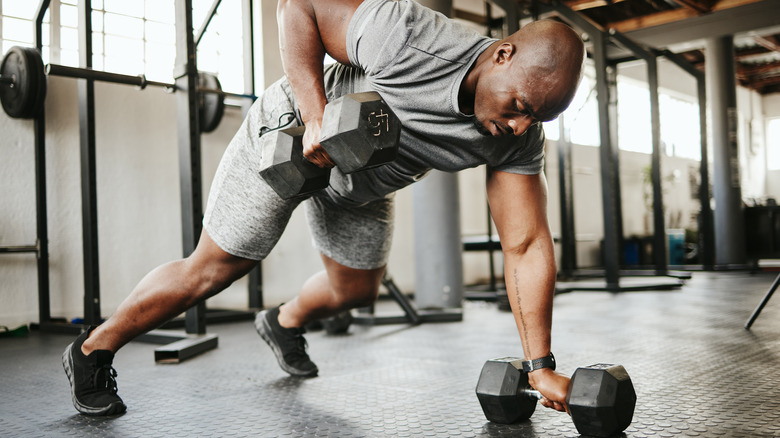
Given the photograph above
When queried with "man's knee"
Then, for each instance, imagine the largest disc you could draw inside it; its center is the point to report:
(211, 270)
(359, 294)
(353, 287)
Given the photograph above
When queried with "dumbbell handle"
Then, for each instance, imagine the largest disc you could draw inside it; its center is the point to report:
(7, 80)
(532, 393)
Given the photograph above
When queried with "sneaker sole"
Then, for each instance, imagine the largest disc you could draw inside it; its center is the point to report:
(264, 330)
(112, 409)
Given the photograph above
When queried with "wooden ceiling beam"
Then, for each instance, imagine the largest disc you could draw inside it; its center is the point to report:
(694, 5)
(579, 5)
(671, 16)
(768, 42)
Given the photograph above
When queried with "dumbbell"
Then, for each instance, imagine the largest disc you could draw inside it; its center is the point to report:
(359, 131)
(601, 397)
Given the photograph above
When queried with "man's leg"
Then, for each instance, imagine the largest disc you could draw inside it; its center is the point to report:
(325, 294)
(329, 292)
(162, 294)
(168, 291)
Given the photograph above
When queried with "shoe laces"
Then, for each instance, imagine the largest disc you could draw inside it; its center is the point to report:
(104, 377)
(299, 353)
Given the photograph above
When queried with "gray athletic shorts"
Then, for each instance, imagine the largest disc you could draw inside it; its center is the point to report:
(246, 218)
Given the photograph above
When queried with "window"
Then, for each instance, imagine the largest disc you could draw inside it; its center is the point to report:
(773, 144)
(132, 36)
(17, 25)
(221, 49)
(581, 118)
(633, 108)
(680, 128)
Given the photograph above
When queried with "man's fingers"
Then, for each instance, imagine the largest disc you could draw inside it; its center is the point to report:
(560, 407)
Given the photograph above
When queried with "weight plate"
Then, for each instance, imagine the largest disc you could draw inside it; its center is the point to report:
(24, 98)
(212, 105)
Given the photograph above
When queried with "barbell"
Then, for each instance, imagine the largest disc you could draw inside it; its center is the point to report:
(23, 86)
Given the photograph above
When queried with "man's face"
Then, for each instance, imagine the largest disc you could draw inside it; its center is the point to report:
(509, 99)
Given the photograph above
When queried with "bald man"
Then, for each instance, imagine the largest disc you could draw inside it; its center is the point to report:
(464, 100)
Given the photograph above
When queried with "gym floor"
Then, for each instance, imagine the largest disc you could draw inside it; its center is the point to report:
(696, 370)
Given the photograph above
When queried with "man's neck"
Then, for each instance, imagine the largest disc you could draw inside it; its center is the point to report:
(468, 86)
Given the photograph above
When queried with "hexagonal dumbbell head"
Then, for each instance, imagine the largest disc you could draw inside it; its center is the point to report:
(360, 131)
(499, 391)
(284, 167)
(601, 400)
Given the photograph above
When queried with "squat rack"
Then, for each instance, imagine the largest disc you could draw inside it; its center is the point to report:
(188, 129)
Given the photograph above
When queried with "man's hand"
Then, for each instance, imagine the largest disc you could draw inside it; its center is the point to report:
(312, 149)
(553, 387)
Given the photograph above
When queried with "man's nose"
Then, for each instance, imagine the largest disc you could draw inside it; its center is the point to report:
(520, 125)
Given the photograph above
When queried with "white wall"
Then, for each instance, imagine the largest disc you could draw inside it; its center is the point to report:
(771, 109)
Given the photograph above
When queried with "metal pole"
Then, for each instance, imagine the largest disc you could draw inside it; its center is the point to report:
(706, 220)
(207, 21)
(42, 227)
(86, 104)
(763, 302)
(186, 73)
(609, 180)
(659, 224)
(256, 275)
(565, 177)
(722, 98)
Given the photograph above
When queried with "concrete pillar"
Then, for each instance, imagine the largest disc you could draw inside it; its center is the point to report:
(437, 242)
(437, 246)
(722, 101)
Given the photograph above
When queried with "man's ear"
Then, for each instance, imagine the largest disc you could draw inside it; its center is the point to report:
(504, 52)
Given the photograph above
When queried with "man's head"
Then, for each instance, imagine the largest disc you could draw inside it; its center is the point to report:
(530, 77)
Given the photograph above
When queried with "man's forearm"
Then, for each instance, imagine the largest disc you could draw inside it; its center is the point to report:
(530, 284)
(303, 53)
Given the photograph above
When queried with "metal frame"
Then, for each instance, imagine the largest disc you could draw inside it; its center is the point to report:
(706, 221)
(609, 158)
(189, 148)
(42, 225)
(366, 316)
(566, 184)
(659, 225)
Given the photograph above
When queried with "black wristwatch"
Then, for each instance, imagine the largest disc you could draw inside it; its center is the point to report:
(543, 362)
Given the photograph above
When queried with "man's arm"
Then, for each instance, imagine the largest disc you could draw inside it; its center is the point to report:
(307, 30)
(518, 204)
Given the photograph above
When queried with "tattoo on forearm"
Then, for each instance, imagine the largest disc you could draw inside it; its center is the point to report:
(524, 331)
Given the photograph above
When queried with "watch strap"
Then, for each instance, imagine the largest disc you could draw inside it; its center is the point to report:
(542, 362)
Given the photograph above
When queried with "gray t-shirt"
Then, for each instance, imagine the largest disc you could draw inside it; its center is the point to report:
(416, 59)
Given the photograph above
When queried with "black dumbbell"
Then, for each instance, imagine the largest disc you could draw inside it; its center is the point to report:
(359, 131)
(601, 397)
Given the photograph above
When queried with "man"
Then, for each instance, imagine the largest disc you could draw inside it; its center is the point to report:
(463, 99)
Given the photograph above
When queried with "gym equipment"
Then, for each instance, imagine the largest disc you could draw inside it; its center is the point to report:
(601, 397)
(285, 168)
(359, 131)
(23, 86)
(211, 104)
(763, 302)
(338, 324)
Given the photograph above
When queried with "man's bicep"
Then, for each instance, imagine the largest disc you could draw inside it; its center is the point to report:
(518, 204)
(333, 17)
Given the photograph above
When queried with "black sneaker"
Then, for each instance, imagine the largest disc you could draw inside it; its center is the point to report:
(288, 344)
(92, 379)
